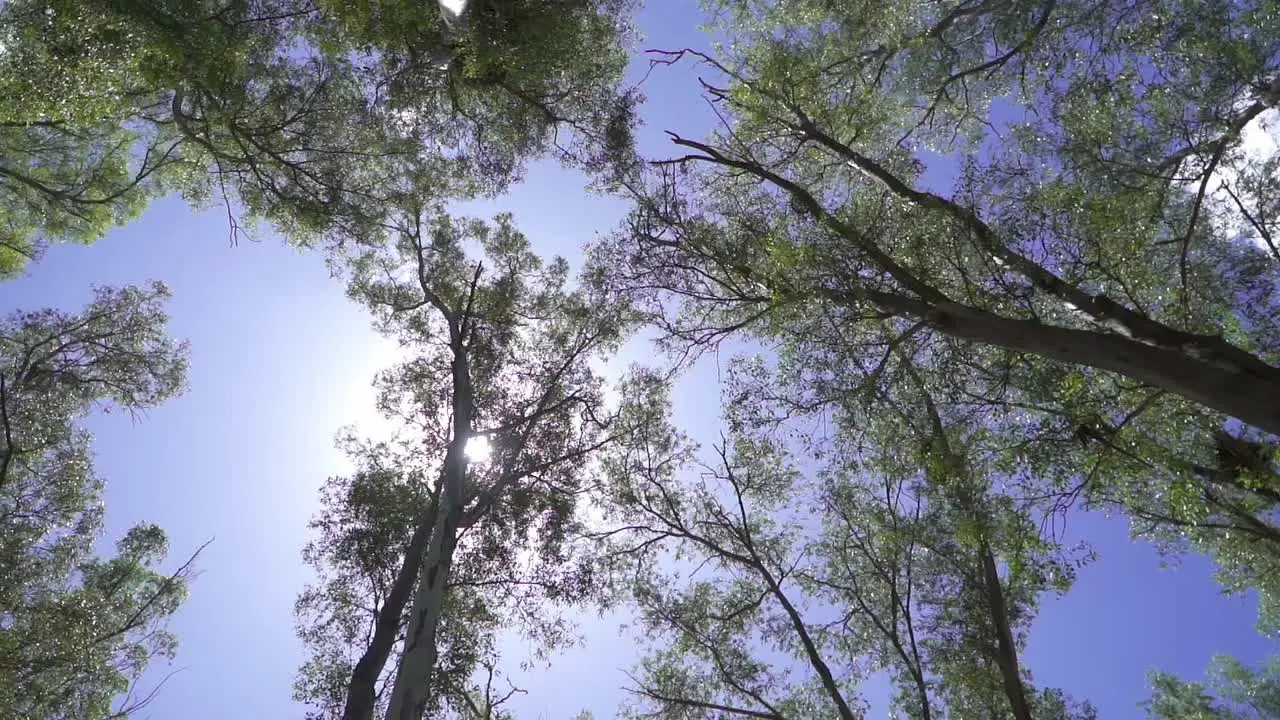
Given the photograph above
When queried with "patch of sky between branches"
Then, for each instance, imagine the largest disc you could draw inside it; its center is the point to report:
(1259, 142)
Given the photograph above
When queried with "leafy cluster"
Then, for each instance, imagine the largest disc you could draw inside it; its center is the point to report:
(293, 112)
(1238, 692)
(77, 630)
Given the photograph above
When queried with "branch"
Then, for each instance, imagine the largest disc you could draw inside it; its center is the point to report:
(1257, 224)
(8, 432)
(1101, 308)
(1195, 216)
(702, 705)
(807, 201)
(471, 297)
(164, 588)
(990, 65)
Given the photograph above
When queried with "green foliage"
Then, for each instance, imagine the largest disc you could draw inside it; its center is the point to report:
(294, 113)
(1237, 693)
(77, 631)
(86, 133)
(499, 84)
(772, 579)
(72, 185)
(1084, 295)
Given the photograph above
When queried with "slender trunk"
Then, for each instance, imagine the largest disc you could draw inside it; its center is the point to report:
(915, 667)
(922, 691)
(361, 690)
(1007, 650)
(412, 690)
(912, 661)
(988, 577)
(1229, 389)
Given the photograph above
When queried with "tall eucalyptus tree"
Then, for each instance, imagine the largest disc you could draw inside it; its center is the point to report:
(502, 411)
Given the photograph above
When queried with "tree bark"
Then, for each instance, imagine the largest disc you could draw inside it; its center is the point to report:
(1006, 649)
(412, 689)
(361, 690)
(1224, 387)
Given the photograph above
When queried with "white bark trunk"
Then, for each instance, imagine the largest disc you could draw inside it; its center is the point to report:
(412, 690)
(361, 689)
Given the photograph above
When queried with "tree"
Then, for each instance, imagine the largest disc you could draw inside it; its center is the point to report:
(1241, 693)
(1078, 232)
(1085, 292)
(1061, 437)
(439, 540)
(293, 112)
(795, 574)
(364, 536)
(77, 631)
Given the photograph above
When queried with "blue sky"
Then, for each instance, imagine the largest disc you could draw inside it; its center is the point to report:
(281, 360)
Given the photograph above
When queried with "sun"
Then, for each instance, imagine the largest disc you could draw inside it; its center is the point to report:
(477, 449)
(454, 6)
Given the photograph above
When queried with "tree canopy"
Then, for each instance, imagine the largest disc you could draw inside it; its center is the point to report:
(289, 111)
(77, 630)
(1090, 288)
(815, 572)
(474, 503)
(993, 264)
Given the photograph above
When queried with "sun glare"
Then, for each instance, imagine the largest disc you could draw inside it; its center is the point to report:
(454, 6)
(478, 449)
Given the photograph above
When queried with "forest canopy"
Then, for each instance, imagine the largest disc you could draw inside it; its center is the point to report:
(969, 271)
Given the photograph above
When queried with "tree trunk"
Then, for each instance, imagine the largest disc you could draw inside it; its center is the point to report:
(1006, 649)
(361, 690)
(412, 689)
(1221, 386)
